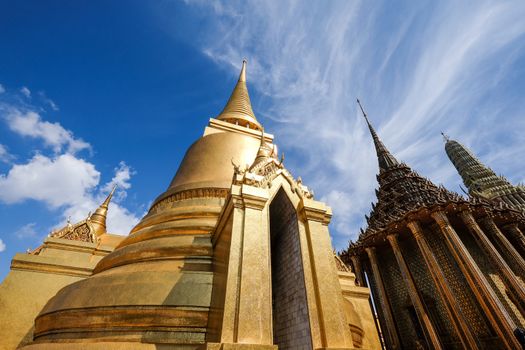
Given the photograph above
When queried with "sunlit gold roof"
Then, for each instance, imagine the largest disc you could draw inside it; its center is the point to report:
(238, 110)
(208, 162)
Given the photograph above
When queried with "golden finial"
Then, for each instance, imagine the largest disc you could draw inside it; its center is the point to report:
(98, 218)
(108, 198)
(238, 109)
(242, 76)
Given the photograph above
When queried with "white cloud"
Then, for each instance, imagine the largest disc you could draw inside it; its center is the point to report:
(420, 69)
(70, 183)
(29, 123)
(2, 245)
(2, 89)
(26, 231)
(5, 156)
(66, 183)
(25, 91)
(56, 181)
(121, 179)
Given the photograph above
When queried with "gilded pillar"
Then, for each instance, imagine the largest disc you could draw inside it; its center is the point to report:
(358, 271)
(230, 319)
(445, 293)
(335, 332)
(514, 286)
(415, 297)
(486, 297)
(517, 235)
(255, 282)
(515, 259)
(383, 300)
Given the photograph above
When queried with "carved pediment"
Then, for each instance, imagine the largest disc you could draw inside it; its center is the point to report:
(82, 231)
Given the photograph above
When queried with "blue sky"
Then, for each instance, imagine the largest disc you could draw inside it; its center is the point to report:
(96, 93)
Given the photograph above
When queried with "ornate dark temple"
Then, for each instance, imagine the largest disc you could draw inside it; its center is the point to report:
(446, 272)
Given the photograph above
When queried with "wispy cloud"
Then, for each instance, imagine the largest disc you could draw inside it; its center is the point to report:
(2, 245)
(25, 91)
(26, 231)
(419, 67)
(48, 101)
(5, 156)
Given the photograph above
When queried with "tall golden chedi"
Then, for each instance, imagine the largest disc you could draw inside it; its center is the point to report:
(236, 254)
(442, 270)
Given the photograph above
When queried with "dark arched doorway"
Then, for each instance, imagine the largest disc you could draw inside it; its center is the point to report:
(291, 325)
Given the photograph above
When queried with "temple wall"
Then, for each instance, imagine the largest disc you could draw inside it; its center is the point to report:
(374, 290)
(470, 309)
(425, 285)
(34, 279)
(359, 316)
(399, 299)
(492, 275)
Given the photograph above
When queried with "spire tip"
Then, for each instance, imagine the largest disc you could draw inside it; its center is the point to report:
(238, 109)
(385, 159)
(242, 76)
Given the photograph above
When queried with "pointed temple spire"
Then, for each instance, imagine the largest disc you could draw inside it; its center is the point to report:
(265, 152)
(98, 218)
(480, 180)
(384, 157)
(238, 110)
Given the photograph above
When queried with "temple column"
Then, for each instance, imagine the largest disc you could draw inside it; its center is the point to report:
(515, 259)
(383, 300)
(230, 320)
(444, 291)
(514, 286)
(514, 231)
(333, 326)
(422, 315)
(358, 271)
(255, 286)
(486, 297)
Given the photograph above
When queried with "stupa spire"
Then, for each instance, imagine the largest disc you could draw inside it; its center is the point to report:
(98, 218)
(384, 157)
(480, 179)
(238, 109)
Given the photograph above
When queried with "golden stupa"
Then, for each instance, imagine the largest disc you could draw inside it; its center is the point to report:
(235, 254)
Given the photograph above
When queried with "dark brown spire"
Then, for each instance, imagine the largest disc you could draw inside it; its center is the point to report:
(401, 190)
(384, 157)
